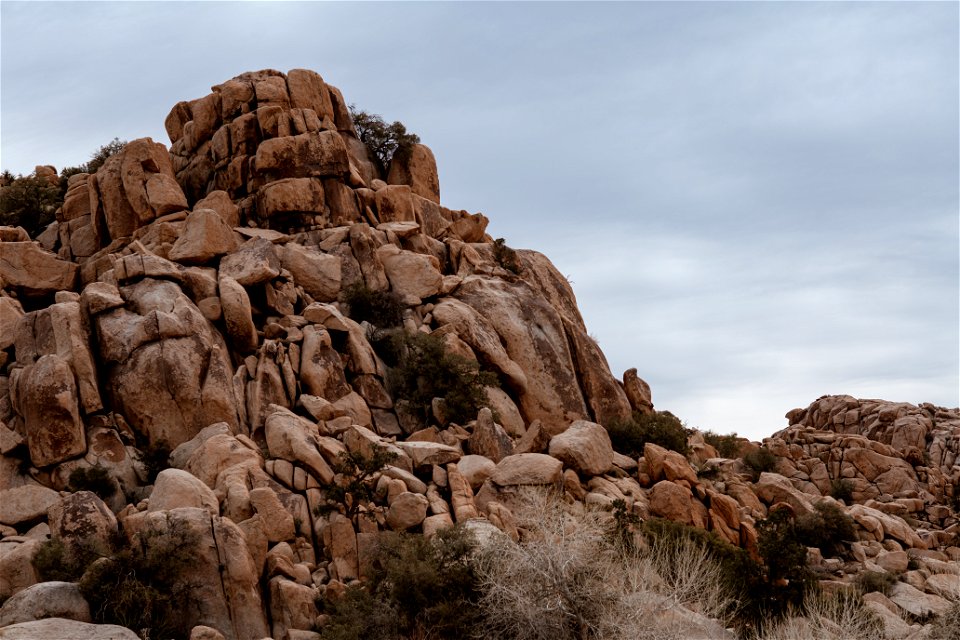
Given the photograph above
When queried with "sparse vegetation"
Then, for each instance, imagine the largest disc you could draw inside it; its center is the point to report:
(383, 141)
(785, 558)
(506, 257)
(31, 201)
(96, 479)
(841, 489)
(568, 579)
(947, 626)
(422, 369)
(879, 581)
(661, 428)
(383, 309)
(837, 616)
(53, 560)
(138, 585)
(155, 458)
(352, 486)
(826, 528)
(759, 461)
(728, 445)
(142, 586)
(418, 588)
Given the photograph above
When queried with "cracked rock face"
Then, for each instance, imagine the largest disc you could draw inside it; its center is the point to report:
(168, 371)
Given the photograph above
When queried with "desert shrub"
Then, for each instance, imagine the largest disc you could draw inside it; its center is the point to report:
(836, 616)
(424, 370)
(55, 561)
(358, 615)
(569, 579)
(879, 581)
(29, 202)
(841, 489)
(760, 461)
(417, 587)
(661, 428)
(506, 257)
(353, 485)
(141, 585)
(785, 560)
(947, 625)
(96, 479)
(382, 309)
(155, 457)
(741, 576)
(826, 528)
(728, 445)
(383, 141)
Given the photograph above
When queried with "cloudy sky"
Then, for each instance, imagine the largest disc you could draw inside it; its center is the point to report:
(757, 203)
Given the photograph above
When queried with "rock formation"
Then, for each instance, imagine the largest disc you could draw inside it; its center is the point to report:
(192, 302)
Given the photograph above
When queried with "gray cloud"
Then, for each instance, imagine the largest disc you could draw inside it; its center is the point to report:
(757, 202)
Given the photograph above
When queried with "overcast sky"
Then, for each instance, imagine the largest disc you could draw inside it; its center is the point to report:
(757, 203)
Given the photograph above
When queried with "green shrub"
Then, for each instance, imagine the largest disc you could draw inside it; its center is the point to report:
(29, 202)
(785, 559)
(506, 257)
(424, 370)
(141, 585)
(841, 489)
(744, 576)
(353, 487)
(826, 528)
(155, 458)
(728, 446)
(358, 615)
(383, 141)
(96, 479)
(760, 461)
(661, 428)
(417, 586)
(383, 309)
(879, 581)
(55, 561)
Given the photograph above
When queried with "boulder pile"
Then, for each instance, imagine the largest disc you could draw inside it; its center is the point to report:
(192, 303)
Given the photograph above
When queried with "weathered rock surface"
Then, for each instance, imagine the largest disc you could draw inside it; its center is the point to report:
(45, 600)
(197, 300)
(51, 628)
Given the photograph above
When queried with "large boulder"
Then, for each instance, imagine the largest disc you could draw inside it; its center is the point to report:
(62, 628)
(26, 503)
(168, 369)
(205, 236)
(35, 271)
(48, 400)
(45, 600)
(585, 447)
(527, 469)
(133, 187)
(416, 168)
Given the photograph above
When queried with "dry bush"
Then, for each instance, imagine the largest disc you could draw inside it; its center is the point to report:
(840, 616)
(568, 579)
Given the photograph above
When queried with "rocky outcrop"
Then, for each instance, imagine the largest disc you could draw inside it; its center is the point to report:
(194, 321)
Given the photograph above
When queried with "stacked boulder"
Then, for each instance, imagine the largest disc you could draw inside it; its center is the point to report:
(192, 303)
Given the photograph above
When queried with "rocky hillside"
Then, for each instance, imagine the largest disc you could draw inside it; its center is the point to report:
(260, 348)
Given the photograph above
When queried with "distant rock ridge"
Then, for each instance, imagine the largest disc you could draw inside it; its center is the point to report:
(196, 299)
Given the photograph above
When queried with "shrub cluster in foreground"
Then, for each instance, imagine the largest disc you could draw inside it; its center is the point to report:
(138, 584)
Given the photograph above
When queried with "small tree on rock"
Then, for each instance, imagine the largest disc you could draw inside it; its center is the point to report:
(383, 141)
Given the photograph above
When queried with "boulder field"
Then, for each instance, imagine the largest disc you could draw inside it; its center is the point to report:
(191, 300)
